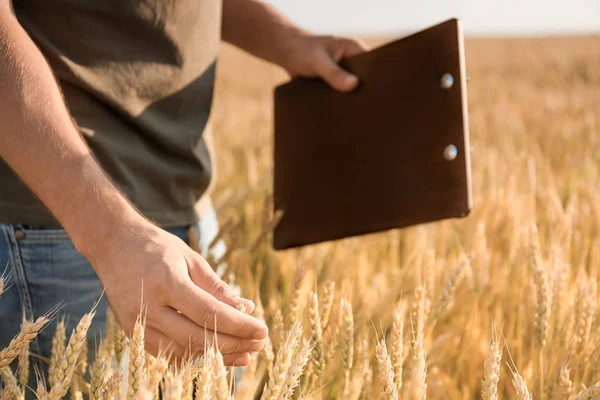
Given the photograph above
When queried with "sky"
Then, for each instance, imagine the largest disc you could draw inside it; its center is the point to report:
(480, 17)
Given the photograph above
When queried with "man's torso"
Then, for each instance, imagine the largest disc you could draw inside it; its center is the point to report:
(137, 76)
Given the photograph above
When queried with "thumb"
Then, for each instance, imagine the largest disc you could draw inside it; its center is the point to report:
(205, 278)
(335, 76)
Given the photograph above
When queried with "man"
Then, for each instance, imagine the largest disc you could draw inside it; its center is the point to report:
(122, 164)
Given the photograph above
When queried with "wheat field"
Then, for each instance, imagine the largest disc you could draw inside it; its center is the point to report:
(500, 305)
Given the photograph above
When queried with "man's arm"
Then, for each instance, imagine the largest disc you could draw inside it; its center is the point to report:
(40, 142)
(264, 32)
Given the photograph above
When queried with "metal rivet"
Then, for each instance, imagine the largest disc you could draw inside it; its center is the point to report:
(450, 152)
(20, 235)
(447, 81)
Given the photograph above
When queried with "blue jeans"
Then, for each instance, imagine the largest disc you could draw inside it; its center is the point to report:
(46, 270)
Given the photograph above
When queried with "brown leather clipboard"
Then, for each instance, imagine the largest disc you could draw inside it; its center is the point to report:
(392, 153)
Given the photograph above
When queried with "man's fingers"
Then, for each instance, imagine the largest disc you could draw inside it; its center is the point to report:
(196, 338)
(237, 360)
(204, 277)
(353, 47)
(157, 343)
(206, 311)
(335, 76)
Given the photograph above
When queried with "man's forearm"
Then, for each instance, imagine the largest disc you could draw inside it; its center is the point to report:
(40, 142)
(259, 29)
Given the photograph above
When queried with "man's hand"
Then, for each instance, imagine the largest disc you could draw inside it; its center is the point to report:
(261, 30)
(187, 306)
(311, 55)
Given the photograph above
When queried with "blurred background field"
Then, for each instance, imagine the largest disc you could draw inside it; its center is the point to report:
(535, 126)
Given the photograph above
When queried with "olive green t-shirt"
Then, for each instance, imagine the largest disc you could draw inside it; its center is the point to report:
(137, 77)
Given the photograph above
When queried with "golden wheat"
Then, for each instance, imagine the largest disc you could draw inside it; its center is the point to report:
(526, 259)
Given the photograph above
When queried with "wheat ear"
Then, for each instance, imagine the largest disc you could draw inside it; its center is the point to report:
(187, 380)
(278, 330)
(58, 350)
(397, 343)
(362, 366)
(292, 310)
(542, 312)
(172, 387)
(292, 379)
(267, 351)
(591, 393)
(491, 370)
(220, 377)
(107, 347)
(120, 343)
(11, 386)
(586, 307)
(282, 363)
(40, 391)
(348, 343)
(28, 332)
(155, 375)
(98, 378)
(113, 387)
(520, 386)
(446, 298)
(68, 362)
(78, 383)
(327, 298)
(565, 384)
(205, 383)
(137, 359)
(24, 362)
(386, 372)
(314, 321)
(417, 389)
